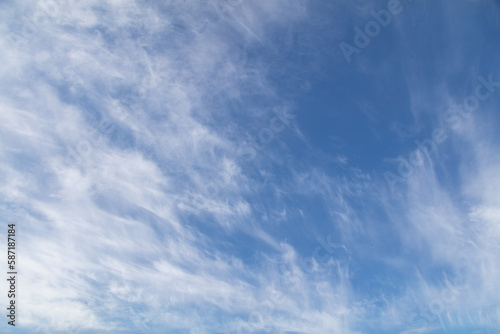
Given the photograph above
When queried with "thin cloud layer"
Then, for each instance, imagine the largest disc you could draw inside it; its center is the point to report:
(218, 167)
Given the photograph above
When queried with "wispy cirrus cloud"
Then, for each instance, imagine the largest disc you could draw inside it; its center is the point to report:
(166, 167)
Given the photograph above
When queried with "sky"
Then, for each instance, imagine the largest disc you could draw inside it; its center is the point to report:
(264, 166)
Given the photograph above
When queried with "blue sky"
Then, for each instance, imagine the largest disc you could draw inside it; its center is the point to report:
(267, 166)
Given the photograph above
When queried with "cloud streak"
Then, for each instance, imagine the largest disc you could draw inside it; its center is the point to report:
(159, 161)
